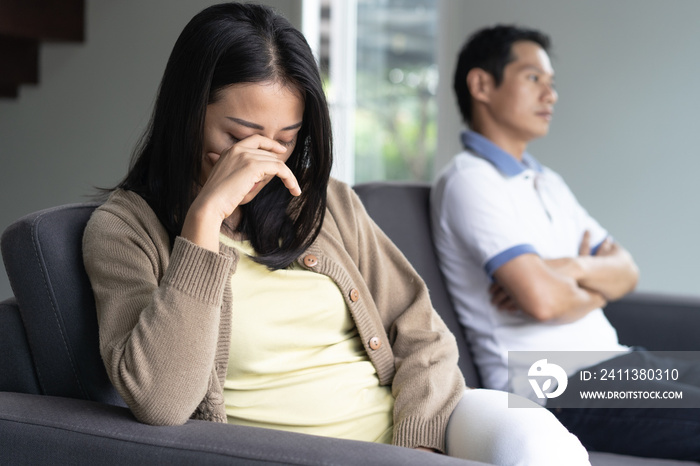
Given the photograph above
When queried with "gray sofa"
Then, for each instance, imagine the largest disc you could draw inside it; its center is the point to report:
(57, 405)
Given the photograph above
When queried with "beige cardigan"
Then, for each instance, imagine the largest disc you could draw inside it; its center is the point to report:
(165, 315)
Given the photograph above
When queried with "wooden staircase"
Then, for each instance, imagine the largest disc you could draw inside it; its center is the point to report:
(24, 25)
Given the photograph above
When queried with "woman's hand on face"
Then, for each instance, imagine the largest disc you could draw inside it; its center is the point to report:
(239, 171)
(242, 169)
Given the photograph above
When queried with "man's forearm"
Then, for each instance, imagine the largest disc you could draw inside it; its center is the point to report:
(611, 273)
(544, 292)
(613, 276)
(583, 302)
(566, 302)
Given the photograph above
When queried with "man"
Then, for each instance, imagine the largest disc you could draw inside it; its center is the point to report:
(527, 267)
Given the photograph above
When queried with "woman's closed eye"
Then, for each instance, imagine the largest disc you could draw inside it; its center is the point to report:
(290, 143)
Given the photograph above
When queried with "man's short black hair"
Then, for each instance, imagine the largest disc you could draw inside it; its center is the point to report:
(490, 49)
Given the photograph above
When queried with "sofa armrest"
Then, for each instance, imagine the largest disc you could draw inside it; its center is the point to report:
(17, 372)
(657, 322)
(37, 429)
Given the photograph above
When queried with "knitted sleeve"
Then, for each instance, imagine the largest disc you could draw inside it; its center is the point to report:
(158, 310)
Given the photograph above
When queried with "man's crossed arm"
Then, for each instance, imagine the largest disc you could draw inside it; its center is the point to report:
(565, 289)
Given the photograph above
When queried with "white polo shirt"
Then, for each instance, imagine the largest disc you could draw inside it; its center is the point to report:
(488, 208)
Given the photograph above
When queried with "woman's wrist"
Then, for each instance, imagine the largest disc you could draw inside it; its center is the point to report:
(202, 227)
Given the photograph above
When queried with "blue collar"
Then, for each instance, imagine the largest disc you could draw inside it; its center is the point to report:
(503, 161)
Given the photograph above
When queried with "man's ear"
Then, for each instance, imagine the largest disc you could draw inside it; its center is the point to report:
(480, 84)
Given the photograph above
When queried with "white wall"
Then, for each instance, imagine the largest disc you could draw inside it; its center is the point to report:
(625, 127)
(76, 129)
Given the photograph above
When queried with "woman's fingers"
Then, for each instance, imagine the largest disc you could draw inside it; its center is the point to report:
(258, 149)
(245, 168)
(262, 166)
(290, 181)
(258, 141)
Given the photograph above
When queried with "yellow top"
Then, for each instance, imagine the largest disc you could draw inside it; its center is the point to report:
(296, 360)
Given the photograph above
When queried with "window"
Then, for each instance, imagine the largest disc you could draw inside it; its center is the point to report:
(379, 65)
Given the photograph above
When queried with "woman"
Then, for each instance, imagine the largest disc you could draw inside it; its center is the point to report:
(235, 282)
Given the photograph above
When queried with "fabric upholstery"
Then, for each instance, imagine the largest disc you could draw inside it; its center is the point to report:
(42, 253)
(657, 322)
(17, 372)
(40, 429)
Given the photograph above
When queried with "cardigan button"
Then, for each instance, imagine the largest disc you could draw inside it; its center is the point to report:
(375, 343)
(354, 295)
(310, 260)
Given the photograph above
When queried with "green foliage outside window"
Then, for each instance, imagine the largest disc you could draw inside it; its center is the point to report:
(395, 129)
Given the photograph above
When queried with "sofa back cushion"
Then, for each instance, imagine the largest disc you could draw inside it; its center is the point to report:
(43, 257)
(402, 211)
(16, 365)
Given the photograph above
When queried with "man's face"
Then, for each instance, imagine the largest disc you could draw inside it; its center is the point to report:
(522, 106)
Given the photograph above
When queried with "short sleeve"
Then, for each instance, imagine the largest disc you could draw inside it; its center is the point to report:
(476, 213)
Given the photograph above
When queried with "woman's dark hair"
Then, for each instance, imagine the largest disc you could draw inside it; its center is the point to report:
(223, 45)
(491, 50)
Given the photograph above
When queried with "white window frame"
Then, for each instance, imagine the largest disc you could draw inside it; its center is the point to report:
(342, 72)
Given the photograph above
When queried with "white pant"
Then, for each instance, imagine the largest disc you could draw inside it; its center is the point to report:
(483, 428)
